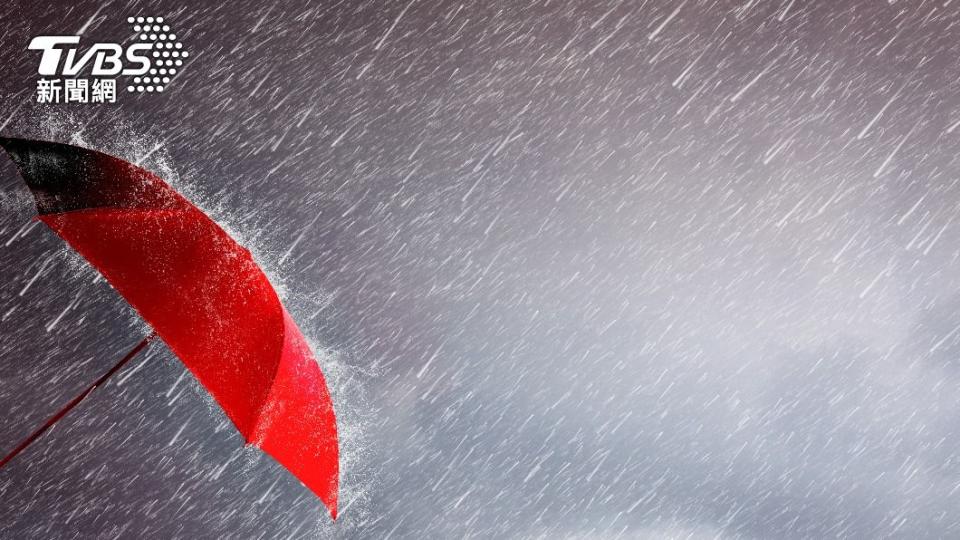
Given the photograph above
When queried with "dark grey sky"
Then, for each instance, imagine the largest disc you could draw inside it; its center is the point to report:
(576, 269)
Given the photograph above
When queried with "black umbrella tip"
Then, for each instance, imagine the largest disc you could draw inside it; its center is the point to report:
(10, 144)
(15, 148)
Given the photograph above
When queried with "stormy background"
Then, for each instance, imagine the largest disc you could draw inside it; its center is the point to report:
(633, 269)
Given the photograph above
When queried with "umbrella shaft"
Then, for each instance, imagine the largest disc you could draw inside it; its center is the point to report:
(75, 401)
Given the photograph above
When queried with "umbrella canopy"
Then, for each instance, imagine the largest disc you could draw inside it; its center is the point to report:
(202, 293)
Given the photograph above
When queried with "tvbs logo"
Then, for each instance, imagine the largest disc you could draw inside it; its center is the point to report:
(152, 61)
(106, 59)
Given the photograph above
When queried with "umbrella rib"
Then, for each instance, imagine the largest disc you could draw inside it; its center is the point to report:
(255, 435)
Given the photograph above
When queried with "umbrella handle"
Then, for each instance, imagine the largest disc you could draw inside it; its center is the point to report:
(76, 401)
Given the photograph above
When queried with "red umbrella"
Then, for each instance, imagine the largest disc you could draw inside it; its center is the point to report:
(202, 293)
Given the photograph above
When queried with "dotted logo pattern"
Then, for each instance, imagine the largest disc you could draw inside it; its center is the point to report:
(167, 55)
